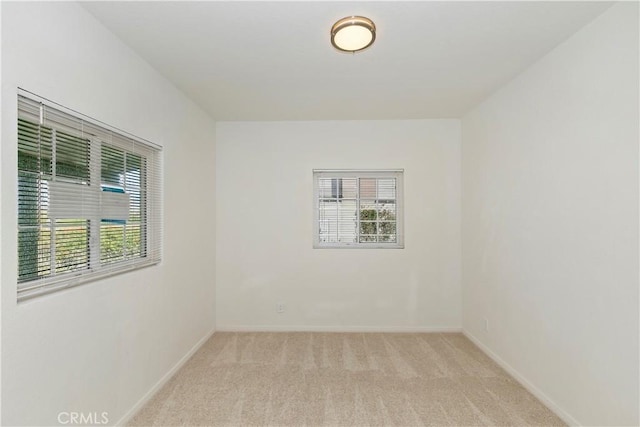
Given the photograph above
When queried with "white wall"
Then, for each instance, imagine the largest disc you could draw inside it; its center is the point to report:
(550, 222)
(102, 346)
(264, 255)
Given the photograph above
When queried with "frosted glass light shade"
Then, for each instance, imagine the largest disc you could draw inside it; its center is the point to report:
(353, 33)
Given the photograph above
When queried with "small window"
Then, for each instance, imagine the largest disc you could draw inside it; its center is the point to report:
(358, 209)
(88, 199)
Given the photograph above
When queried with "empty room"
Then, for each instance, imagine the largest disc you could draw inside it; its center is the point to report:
(420, 213)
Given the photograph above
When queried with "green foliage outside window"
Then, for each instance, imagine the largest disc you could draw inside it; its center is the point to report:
(377, 225)
(116, 244)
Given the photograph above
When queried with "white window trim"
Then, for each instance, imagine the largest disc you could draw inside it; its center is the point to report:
(398, 174)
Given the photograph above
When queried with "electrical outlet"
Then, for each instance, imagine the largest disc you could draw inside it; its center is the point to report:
(280, 307)
(486, 324)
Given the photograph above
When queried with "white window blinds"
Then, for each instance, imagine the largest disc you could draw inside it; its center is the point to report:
(358, 209)
(89, 199)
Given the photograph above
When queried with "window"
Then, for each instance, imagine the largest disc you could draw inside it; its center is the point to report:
(358, 209)
(88, 199)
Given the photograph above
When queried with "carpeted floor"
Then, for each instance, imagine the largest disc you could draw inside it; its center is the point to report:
(342, 379)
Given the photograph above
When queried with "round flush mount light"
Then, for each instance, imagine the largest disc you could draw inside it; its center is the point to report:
(353, 33)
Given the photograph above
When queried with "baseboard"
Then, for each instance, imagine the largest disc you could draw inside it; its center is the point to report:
(300, 328)
(166, 377)
(564, 416)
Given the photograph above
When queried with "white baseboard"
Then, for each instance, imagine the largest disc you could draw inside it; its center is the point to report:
(166, 377)
(523, 381)
(300, 328)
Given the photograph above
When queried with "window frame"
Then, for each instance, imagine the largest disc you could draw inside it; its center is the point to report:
(397, 174)
(150, 155)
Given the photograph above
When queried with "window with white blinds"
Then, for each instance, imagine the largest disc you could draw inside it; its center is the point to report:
(89, 199)
(358, 209)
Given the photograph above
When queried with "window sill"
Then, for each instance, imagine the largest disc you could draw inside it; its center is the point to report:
(40, 287)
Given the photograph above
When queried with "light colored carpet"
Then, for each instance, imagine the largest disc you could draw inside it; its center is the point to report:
(342, 379)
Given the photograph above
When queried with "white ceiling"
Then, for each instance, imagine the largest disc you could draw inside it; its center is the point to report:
(274, 61)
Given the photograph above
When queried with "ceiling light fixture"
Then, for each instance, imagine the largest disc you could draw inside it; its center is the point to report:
(353, 33)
